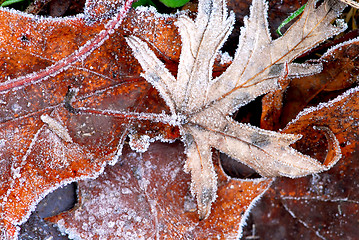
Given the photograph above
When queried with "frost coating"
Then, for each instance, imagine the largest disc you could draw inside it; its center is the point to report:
(43, 137)
(205, 104)
(246, 213)
(106, 214)
(76, 56)
(155, 206)
(139, 144)
(324, 105)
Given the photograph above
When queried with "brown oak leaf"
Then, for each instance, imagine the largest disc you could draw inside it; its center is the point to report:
(340, 70)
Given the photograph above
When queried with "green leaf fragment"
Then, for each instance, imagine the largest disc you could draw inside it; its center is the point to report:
(143, 3)
(174, 3)
(290, 18)
(168, 3)
(9, 2)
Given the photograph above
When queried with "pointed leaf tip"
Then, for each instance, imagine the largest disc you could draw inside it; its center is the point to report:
(334, 152)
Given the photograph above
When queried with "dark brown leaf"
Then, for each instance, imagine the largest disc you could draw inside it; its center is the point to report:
(324, 206)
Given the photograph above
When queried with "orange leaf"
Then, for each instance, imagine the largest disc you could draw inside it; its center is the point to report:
(41, 59)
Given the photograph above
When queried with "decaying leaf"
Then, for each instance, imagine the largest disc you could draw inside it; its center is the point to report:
(351, 3)
(145, 196)
(56, 127)
(320, 206)
(203, 105)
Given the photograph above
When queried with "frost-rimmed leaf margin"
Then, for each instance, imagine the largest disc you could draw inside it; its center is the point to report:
(254, 202)
(330, 103)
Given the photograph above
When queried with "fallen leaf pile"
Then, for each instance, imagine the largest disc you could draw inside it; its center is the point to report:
(84, 98)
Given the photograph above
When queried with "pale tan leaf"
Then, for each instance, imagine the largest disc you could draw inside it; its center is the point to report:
(258, 56)
(203, 105)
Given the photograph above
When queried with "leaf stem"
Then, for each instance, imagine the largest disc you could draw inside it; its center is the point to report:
(154, 117)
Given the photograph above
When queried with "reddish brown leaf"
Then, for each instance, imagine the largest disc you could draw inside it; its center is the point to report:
(38, 69)
(272, 106)
(324, 206)
(147, 196)
(340, 70)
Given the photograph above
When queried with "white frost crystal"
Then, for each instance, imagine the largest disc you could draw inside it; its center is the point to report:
(204, 104)
(139, 144)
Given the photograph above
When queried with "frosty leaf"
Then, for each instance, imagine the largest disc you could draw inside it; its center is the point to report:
(321, 206)
(352, 3)
(259, 58)
(44, 144)
(43, 59)
(203, 105)
(145, 196)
